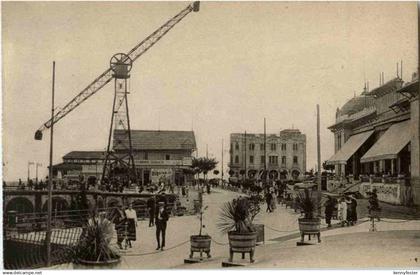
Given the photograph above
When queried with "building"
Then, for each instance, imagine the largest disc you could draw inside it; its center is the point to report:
(376, 141)
(157, 155)
(284, 157)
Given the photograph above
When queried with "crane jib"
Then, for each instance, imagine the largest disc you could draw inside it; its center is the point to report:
(106, 77)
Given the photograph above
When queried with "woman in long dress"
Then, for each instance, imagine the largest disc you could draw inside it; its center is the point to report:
(342, 211)
(131, 216)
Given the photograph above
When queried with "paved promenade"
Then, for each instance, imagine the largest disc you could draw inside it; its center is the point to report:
(395, 244)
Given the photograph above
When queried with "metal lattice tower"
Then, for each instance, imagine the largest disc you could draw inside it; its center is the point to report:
(120, 164)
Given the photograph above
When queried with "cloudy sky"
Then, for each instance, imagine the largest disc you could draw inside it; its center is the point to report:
(219, 71)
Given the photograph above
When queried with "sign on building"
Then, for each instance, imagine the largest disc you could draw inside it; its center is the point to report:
(161, 175)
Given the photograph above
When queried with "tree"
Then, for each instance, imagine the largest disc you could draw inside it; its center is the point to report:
(327, 167)
(203, 165)
(216, 172)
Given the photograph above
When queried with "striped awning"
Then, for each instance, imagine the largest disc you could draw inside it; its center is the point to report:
(349, 148)
(390, 143)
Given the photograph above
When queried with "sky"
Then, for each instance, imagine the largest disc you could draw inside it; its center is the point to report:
(219, 71)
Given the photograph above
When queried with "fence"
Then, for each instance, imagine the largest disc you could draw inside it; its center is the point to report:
(24, 235)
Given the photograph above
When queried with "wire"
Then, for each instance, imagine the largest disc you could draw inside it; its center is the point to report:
(156, 252)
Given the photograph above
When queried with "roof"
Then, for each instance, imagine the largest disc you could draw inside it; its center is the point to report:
(392, 85)
(349, 148)
(85, 155)
(356, 104)
(67, 166)
(155, 140)
(389, 144)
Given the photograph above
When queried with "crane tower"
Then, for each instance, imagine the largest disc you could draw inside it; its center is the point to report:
(120, 162)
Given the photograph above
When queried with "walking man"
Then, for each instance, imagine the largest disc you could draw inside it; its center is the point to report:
(329, 209)
(162, 217)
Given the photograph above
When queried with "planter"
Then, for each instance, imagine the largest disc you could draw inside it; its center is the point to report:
(85, 264)
(242, 243)
(200, 244)
(310, 227)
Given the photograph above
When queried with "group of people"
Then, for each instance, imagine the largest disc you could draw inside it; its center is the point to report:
(346, 208)
(125, 221)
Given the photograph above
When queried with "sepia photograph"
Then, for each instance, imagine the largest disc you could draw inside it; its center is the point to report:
(210, 135)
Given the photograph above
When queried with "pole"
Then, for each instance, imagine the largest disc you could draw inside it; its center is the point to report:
(318, 141)
(265, 153)
(245, 156)
(222, 161)
(48, 236)
(29, 163)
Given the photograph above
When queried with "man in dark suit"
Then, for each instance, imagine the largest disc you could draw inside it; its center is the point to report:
(161, 220)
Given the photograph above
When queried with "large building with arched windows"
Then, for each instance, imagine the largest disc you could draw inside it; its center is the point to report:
(284, 157)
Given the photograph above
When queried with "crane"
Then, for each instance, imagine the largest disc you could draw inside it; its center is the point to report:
(120, 66)
(107, 75)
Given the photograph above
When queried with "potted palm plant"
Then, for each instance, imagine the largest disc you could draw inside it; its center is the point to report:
(309, 224)
(200, 243)
(236, 219)
(94, 246)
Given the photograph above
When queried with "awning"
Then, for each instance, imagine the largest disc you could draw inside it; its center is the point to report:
(349, 148)
(390, 143)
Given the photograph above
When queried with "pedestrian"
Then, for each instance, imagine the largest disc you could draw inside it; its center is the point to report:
(373, 206)
(183, 191)
(151, 206)
(353, 207)
(162, 217)
(342, 211)
(273, 200)
(131, 216)
(268, 201)
(119, 219)
(329, 209)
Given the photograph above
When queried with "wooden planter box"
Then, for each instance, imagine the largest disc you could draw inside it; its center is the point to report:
(200, 244)
(310, 227)
(242, 243)
(84, 264)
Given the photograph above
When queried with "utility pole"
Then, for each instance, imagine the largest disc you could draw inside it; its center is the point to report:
(222, 161)
(318, 141)
(48, 236)
(265, 153)
(245, 156)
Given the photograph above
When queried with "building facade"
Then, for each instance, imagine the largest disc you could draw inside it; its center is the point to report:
(158, 155)
(284, 156)
(376, 140)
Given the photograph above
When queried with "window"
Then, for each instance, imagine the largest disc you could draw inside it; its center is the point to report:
(251, 159)
(263, 159)
(237, 146)
(295, 159)
(146, 155)
(273, 159)
(262, 147)
(167, 157)
(236, 159)
(295, 147)
(283, 146)
(273, 147)
(251, 147)
(283, 160)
